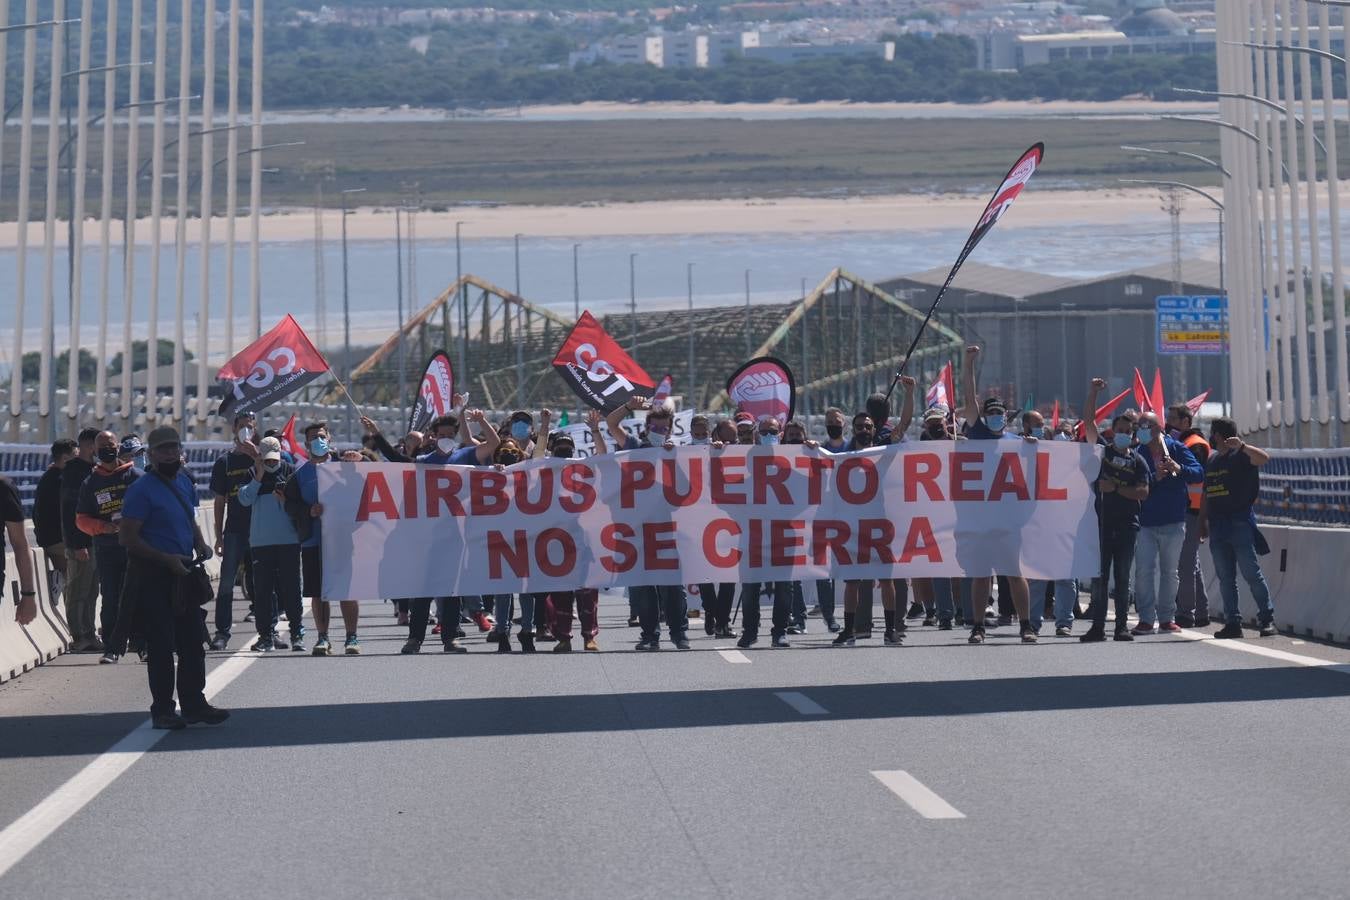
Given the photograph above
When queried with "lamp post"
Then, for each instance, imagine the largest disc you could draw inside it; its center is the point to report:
(520, 346)
(346, 309)
(632, 300)
(689, 277)
(463, 307)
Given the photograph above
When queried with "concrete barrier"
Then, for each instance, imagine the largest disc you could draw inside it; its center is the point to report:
(25, 647)
(1306, 571)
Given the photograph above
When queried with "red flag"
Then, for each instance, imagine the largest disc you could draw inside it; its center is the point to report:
(435, 392)
(1156, 395)
(1102, 410)
(1195, 403)
(1054, 418)
(663, 389)
(938, 393)
(289, 443)
(1141, 395)
(596, 368)
(275, 365)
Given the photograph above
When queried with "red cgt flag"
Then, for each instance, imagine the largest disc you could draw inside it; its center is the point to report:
(275, 365)
(596, 368)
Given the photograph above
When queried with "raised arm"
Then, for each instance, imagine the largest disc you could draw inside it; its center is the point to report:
(618, 414)
(541, 439)
(1090, 413)
(906, 409)
(970, 399)
(597, 435)
(487, 448)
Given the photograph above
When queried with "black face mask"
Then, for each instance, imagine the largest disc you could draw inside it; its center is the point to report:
(169, 469)
(107, 455)
(862, 438)
(938, 430)
(562, 453)
(834, 431)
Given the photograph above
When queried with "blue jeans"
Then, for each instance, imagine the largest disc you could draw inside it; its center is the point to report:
(1066, 592)
(1231, 544)
(651, 601)
(1157, 551)
(502, 612)
(234, 551)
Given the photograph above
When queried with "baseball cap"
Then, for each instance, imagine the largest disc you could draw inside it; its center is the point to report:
(994, 405)
(562, 437)
(521, 415)
(744, 418)
(131, 446)
(270, 448)
(936, 411)
(164, 434)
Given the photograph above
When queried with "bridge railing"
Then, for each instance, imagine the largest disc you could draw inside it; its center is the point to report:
(1306, 487)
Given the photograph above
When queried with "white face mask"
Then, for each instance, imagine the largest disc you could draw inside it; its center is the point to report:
(245, 434)
(446, 445)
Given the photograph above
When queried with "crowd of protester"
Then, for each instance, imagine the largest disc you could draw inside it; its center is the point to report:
(116, 517)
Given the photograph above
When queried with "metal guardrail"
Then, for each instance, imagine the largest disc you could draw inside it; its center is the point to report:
(1306, 487)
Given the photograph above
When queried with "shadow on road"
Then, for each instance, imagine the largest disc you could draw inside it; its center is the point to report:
(416, 720)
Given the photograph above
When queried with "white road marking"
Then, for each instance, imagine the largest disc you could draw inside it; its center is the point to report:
(24, 834)
(1298, 642)
(801, 703)
(1297, 659)
(733, 656)
(917, 795)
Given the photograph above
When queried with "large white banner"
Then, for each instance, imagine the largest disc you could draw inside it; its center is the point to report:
(693, 514)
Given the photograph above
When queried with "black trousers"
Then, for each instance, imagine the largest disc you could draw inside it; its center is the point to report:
(1117, 555)
(276, 587)
(782, 606)
(168, 635)
(717, 602)
(110, 561)
(447, 612)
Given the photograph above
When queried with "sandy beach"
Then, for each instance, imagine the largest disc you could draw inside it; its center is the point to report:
(774, 216)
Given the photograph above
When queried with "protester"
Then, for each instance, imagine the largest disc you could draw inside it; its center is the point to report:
(936, 594)
(231, 471)
(745, 428)
(586, 600)
(47, 506)
(1232, 486)
(159, 531)
(1064, 590)
(1192, 601)
(988, 422)
(97, 513)
(1162, 524)
(834, 430)
(274, 545)
(1122, 487)
(81, 586)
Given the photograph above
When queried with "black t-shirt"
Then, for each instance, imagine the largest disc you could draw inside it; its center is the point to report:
(1232, 485)
(1123, 469)
(72, 478)
(11, 510)
(101, 496)
(47, 508)
(229, 473)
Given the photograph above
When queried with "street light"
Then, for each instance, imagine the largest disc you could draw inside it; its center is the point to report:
(463, 308)
(632, 299)
(520, 346)
(1263, 101)
(689, 272)
(1213, 164)
(346, 309)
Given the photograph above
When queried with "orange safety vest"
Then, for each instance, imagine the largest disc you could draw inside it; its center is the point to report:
(1196, 491)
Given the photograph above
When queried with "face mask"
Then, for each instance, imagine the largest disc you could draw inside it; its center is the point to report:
(768, 440)
(445, 445)
(1121, 441)
(272, 465)
(319, 447)
(169, 469)
(107, 455)
(834, 431)
(793, 440)
(996, 423)
(1061, 436)
(508, 459)
(862, 438)
(520, 430)
(245, 434)
(658, 430)
(698, 441)
(562, 453)
(1145, 435)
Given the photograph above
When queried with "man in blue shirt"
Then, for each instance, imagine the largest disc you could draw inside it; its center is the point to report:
(274, 545)
(159, 531)
(1162, 524)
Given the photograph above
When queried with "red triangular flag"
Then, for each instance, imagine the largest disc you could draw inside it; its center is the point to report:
(1195, 403)
(1054, 417)
(1156, 395)
(1141, 396)
(289, 443)
(663, 389)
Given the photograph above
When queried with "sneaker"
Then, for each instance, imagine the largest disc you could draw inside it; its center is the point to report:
(278, 642)
(793, 629)
(634, 622)
(297, 645)
(411, 648)
(1063, 631)
(248, 616)
(976, 636)
(832, 626)
(1169, 628)
(1004, 620)
(724, 632)
(1029, 636)
(1267, 630)
(436, 629)
(206, 715)
(646, 645)
(944, 625)
(322, 647)
(843, 639)
(779, 642)
(682, 643)
(108, 658)
(220, 642)
(709, 627)
(1186, 621)
(747, 641)
(1093, 635)
(168, 721)
(263, 645)
(929, 621)
(1143, 628)
(352, 646)
(1123, 634)
(814, 612)
(1202, 621)
(915, 610)
(453, 646)
(482, 621)
(564, 645)
(592, 646)
(494, 636)
(1229, 632)
(893, 638)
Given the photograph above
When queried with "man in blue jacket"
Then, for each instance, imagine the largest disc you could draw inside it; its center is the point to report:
(1162, 524)
(274, 544)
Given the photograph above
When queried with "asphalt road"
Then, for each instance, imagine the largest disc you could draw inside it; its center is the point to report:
(1166, 767)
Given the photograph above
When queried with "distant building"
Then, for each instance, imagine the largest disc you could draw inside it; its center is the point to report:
(723, 45)
(685, 50)
(791, 53)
